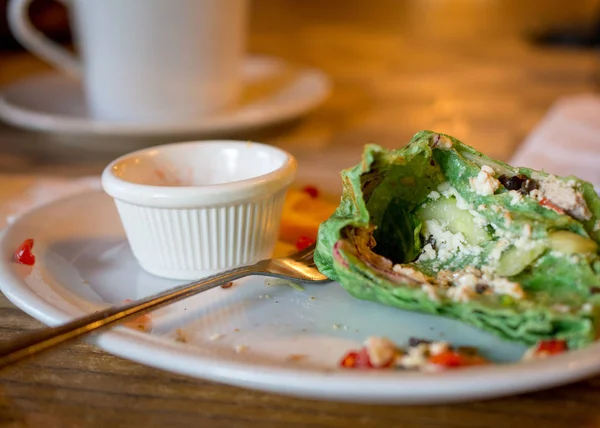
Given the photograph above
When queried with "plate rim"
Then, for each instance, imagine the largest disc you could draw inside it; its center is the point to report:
(17, 115)
(337, 385)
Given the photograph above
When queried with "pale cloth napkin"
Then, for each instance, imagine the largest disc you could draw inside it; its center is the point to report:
(566, 141)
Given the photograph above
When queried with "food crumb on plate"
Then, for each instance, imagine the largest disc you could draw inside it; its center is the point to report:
(420, 355)
(215, 336)
(296, 358)
(240, 349)
(236, 329)
(180, 336)
(141, 323)
(336, 326)
(227, 284)
(313, 298)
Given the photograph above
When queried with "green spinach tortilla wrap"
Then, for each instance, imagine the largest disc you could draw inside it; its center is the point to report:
(438, 227)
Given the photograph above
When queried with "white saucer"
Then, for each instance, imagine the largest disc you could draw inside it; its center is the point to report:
(274, 92)
(83, 262)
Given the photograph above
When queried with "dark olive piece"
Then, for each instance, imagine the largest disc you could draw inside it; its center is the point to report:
(519, 182)
(481, 288)
(415, 341)
(431, 240)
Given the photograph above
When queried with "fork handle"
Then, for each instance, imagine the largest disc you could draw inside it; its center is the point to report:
(49, 337)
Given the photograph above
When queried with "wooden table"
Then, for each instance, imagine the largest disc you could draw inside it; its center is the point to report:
(460, 67)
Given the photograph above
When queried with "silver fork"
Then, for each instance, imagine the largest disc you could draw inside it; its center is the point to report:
(298, 267)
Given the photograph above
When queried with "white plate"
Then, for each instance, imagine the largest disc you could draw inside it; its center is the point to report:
(84, 262)
(274, 92)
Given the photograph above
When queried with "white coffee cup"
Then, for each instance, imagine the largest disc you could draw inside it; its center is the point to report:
(147, 60)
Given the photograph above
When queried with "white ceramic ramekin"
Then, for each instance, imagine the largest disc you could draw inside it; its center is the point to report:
(193, 209)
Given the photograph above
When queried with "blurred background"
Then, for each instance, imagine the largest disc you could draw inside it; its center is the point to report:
(485, 71)
(458, 18)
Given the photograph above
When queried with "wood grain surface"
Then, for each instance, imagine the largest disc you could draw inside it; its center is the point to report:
(460, 67)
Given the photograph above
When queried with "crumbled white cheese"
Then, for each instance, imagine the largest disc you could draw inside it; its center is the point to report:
(515, 197)
(500, 246)
(502, 285)
(464, 283)
(575, 258)
(468, 280)
(472, 270)
(564, 195)
(240, 349)
(415, 358)
(479, 220)
(215, 336)
(444, 188)
(441, 142)
(461, 292)
(447, 191)
(381, 351)
(412, 273)
(433, 195)
(436, 348)
(482, 207)
(431, 292)
(484, 183)
(447, 243)
(428, 253)
(488, 170)
(524, 241)
(587, 307)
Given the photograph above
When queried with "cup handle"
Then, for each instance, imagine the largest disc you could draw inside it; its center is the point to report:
(36, 42)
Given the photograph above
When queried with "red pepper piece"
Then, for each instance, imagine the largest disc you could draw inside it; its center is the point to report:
(349, 360)
(363, 361)
(312, 191)
(304, 242)
(551, 347)
(24, 255)
(546, 203)
(356, 360)
(451, 359)
(448, 359)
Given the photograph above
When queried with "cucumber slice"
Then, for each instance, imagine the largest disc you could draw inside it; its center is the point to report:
(456, 220)
(570, 243)
(516, 259)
